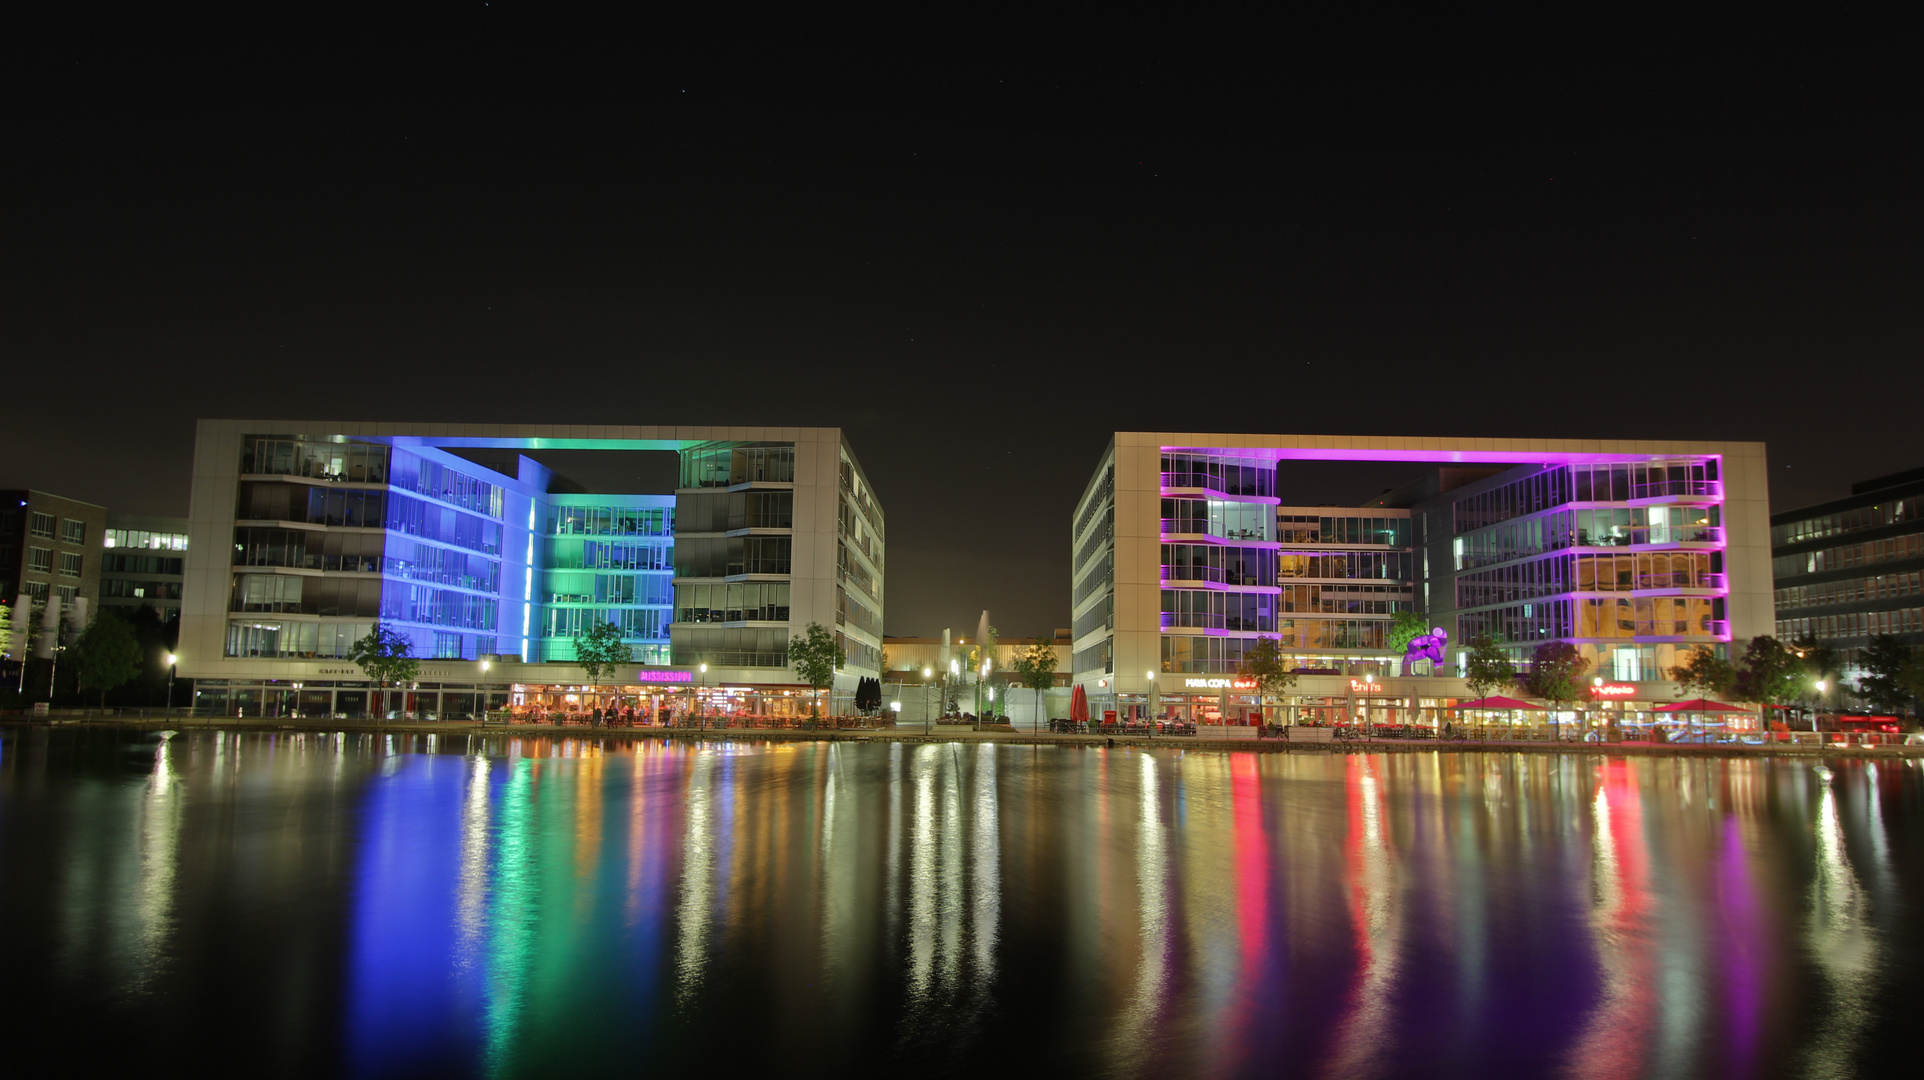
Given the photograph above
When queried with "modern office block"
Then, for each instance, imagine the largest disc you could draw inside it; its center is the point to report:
(1852, 569)
(49, 546)
(142, 560)
(304, 535)
(1184, 555)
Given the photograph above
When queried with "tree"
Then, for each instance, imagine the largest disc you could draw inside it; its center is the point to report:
(385, 657)
(1036, 667)
(1263, 664)
(1408, 625)
(1771, 674)
(6, 629)
(106, 655)
(1488, 668)
(815, 655)
(1822, 664)
(1884, 661)
(1704, 674)
(599, 650)
(1556, 673)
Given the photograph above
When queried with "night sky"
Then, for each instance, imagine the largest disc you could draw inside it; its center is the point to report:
(979, 242)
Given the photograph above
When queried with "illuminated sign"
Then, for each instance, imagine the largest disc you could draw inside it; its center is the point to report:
(1614, 690)
(1359, 687)
(664, 676)
(1219, 684)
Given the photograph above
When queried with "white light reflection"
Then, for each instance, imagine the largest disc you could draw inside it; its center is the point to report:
(985, 921)
(160, 814)
(697, 882)
(922, 877)
(1152, 912)
(1844, 945)
(471, 893)
(1376, 916)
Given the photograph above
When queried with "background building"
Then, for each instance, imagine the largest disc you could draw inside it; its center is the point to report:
(142, 560)
(49, 545)
(1183, 556)
(303, 535)
(1849, 570)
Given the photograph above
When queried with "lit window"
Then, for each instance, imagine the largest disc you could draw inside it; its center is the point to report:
(73, 532)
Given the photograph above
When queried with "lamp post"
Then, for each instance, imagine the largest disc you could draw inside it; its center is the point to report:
(701, 718)
(173, 665)
(955, 672)
(1815, 705)
(1151, 707)
(485, 664)
(297, 701)
(1596, 698)
(925, 699)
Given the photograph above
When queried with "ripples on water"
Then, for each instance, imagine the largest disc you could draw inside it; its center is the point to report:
(384, 905)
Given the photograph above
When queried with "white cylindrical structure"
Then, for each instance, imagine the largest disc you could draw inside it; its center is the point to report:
(49, 627)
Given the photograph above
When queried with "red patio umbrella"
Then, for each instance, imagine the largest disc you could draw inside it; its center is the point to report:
(1079, 706)
(1699, 705)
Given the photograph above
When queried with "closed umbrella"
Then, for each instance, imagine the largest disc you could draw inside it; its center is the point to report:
(1079, 706)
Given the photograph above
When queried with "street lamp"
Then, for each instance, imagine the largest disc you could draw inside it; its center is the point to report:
(297, 701)
(173, 665)
(701, 718)
(485, 665)
(926, 672)
(1822, 686)
(1151, 707)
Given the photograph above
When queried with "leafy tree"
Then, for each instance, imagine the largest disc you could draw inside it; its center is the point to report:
(1769, 673)
(385, 657)
(1881, 684)
(1910, 678)
(1821, 663)
(1556, 673)
(815, 655)
(1036, 667)
(1704, 673)
(6, 629)
(1408, 625)
(1488, 668)
(106, 655)
(1263, 663)
(599, 650)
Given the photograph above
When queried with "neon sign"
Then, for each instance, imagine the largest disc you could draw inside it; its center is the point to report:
(1614, 690)
(1219, 684)
(664, 676)
(1359, 687)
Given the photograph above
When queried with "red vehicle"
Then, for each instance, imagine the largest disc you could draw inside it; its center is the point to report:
(1882, 725)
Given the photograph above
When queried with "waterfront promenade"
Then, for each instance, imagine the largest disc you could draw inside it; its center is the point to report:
(1207, 739)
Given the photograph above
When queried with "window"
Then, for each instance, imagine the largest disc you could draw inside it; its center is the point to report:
(69, 564)
(35, 589)
(40, 560)
(73, 532)
(67, 594)
(41, 525)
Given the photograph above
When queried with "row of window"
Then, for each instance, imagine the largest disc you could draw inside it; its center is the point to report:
(1209, 609)
(43, 561)
(584, 588)
(862, 496)
(1097, 500)
(437, 481)
(726, 511)
(1851, 591)
(1324, 529)
(638, 623)
(852, 611)
(1099, 573)
(1341, 565)
(144, 538)
(38, 590)
(1097, 539)
(117, 563)
(1855, 624)
(1097, 657)
(1558, 486)
(610, 555)
(1219, 563)
(612, 521)
(42, 525)
(730, 646)
(1601, 527)
(1590, 573)
(1231, 476)
(737, 602)
(1550, 620)
(145, 590)
(729, 556)
(1848, 555)
(1346, 599)
(855, 573)
(1853, 520)
(294, 594)
(1219, 517)
(268, 455)
(293, 640)
(1101, 615)
(1223, 655)
(726, 466)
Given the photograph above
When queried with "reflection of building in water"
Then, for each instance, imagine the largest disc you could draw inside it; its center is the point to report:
(1184, 555)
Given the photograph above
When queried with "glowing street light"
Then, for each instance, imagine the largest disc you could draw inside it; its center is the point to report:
(926, 672)
(173, 665)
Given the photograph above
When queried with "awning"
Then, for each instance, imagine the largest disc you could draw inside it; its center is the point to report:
(1499, 702)
(1699, 705)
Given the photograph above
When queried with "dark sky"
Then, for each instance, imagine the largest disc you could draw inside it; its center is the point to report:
(979, 242)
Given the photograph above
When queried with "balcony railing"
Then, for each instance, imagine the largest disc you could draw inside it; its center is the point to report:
(1709, 488)
(1178, 527)
(1208, 482)
(1681, 580)
(1211, 573)
(1174, 620)
(1684, 534)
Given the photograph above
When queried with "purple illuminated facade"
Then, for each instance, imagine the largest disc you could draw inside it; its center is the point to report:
(1185, 552)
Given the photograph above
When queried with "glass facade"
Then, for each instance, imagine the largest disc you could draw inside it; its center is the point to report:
(1851, 570)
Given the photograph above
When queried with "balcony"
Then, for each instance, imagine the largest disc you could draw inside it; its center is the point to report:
(1633, 537)
(1214, 574)
(1677, 489)
(1683, 580)
(1170, 527)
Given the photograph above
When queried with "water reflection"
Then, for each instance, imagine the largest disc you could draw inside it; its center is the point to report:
(379, 905)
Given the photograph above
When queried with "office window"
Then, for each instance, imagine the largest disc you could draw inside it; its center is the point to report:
(69, 564)
(41, 525)
(73, 532)
(35, 589)
(67, 593)
(40, 560)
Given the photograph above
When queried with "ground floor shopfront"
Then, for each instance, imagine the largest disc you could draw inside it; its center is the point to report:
(1431, 702)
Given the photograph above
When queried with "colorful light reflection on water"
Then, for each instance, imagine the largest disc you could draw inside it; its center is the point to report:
(388, 906)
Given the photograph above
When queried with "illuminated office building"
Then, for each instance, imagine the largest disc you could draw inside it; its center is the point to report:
(1184, 555)
(1852, 569)
(303, 536)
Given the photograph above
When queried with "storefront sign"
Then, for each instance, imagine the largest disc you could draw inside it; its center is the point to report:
(664, 676)
(1358, 686)
(1219, 684)
(1613, 690)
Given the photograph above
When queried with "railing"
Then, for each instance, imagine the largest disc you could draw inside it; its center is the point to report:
(1172, 527)
(1660, 489)
(1208, 482)
(1211, 573)
(1685, 534)
(1683, 580)
(1174, 620)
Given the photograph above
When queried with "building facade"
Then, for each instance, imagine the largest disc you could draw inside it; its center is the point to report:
(303, 536)
(49, 546)
(142, 562)
(1184, 556)
(1852, 569)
